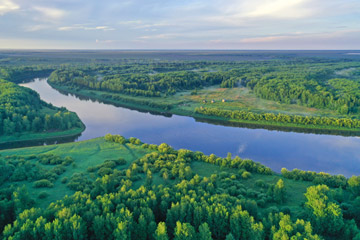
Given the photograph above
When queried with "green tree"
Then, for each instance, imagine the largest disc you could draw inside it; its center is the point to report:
(326, 216)
(184, 231)
(204, 232)
(161, 233)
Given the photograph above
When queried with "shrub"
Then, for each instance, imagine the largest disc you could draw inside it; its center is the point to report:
(43, 183)
(64, 180)
(43, 195)
(246, 175)
(105, 171)
(92, 169)
(121, 161)
(109, 164)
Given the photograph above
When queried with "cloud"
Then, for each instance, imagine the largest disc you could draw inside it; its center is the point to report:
(300, 36)
(37, 27)
(85, 28)
(158, 36)
(50, 13)
(280, 9)
(7, 6)
(97, 41)
(230, 24)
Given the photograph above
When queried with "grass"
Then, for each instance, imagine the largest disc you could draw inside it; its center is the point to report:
(86, 153)
(30, 136)
(242, 98)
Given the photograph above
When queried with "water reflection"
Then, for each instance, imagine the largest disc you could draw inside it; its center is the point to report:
(276, 149)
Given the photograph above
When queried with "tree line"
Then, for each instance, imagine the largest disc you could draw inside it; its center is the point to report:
(281, 118)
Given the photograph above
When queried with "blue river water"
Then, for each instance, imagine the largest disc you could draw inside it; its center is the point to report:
(275, 149)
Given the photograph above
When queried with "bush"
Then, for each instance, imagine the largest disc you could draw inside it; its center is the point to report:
(260, 183)
(105, 171)
(246, 175)
(64, 180)
(109, 164)
(134, 141)
(43, 195)
(59, 170)
(79, 182)
(92, 169)
(121, 161)
(43, 183)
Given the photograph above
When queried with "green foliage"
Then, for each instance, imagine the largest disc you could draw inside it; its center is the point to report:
(326, 215)
(280, 118)
(316, 178)
(137, 202)
(161, 233)
(21, 110)
(43, 183)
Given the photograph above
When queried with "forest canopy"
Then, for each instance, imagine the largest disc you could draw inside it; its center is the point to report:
(21, 110)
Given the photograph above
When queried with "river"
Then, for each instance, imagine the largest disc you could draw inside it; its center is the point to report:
(275, 149)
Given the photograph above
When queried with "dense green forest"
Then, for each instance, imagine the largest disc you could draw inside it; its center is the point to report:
(314, 84)
(22, 112)
(20, 74)
(331, 87)
(167, 194)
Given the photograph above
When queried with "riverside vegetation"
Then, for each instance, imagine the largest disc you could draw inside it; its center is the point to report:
(23, 116)
(309, 94)
(119, 188)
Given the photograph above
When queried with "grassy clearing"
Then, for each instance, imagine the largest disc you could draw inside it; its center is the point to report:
(241, 98)
(86, 154)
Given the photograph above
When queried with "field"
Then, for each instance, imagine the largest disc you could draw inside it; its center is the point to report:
(241, 98)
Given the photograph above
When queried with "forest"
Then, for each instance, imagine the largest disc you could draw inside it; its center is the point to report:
(331, 87)
(22, 112)
(168, 194)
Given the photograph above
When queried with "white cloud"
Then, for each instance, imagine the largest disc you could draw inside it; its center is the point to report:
(35, 28)
(86, 28)
(300, 36)
(7, 6)
(50, 13)
(158, 36)
(279, 9)
(97, 41)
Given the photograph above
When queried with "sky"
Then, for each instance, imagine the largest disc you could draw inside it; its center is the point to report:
(182, 24)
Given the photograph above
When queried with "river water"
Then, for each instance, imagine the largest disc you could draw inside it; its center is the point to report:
(275, 149)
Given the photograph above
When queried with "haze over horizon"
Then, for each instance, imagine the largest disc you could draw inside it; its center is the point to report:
(198, 24)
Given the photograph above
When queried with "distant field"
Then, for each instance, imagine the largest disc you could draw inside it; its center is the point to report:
(242, 98)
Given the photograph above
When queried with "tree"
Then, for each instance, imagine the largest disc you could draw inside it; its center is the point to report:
(229, 237)
(184, 231)
(204, 232)
(161, 233)
(326, 216)
(279, 192)
(354, 184)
